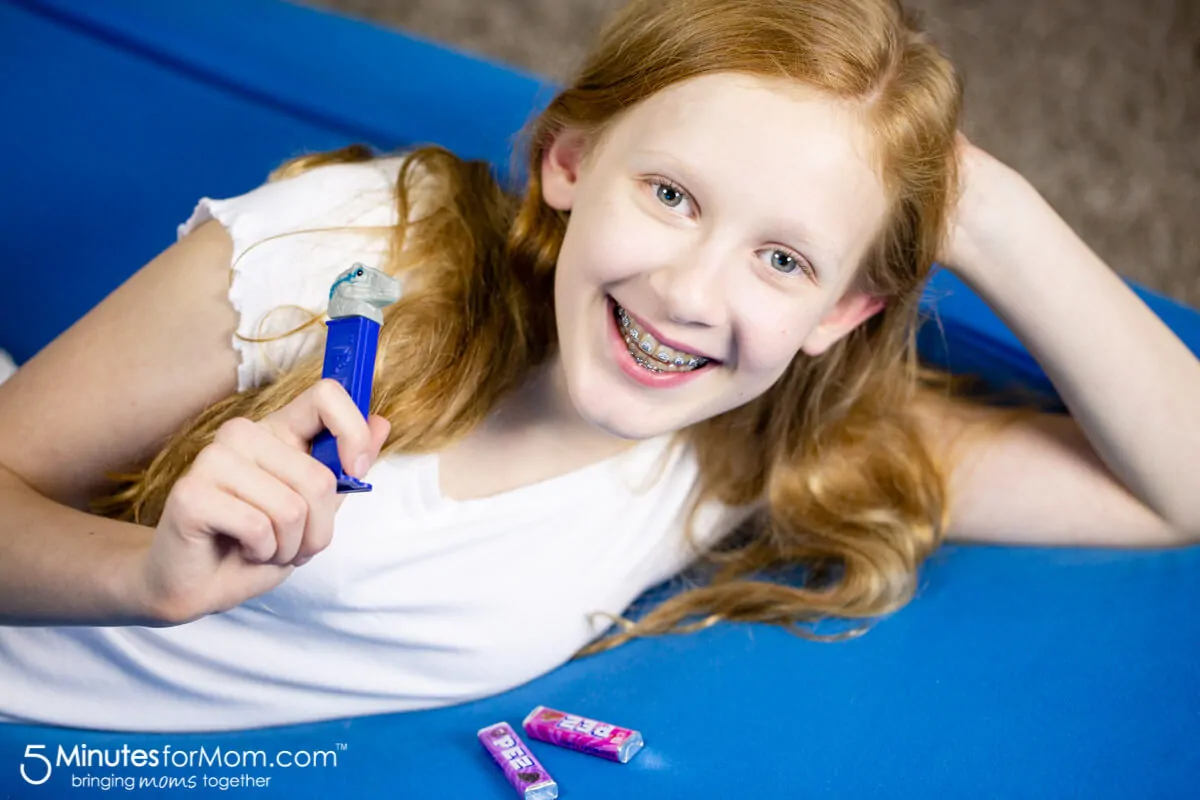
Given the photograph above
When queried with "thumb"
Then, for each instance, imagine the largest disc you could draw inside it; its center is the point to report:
(380, 428)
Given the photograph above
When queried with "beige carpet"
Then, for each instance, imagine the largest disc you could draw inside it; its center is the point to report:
(1097, 102)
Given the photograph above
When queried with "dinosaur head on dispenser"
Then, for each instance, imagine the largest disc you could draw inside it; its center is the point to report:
(361, 291)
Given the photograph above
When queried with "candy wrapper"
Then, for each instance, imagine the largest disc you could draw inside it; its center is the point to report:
(585, 735)
(524, 772)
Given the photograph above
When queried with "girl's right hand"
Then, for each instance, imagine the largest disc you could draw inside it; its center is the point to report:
(254, 505)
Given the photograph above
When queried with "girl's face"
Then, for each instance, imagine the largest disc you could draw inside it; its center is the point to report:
(713, 235)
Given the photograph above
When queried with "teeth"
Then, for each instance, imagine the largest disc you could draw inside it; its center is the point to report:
(675, 360)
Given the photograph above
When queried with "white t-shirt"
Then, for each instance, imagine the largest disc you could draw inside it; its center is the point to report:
(420, 600)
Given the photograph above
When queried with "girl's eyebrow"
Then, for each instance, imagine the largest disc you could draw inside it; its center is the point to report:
(823, 260)
(677, 164)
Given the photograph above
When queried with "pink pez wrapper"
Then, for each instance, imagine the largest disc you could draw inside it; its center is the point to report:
(582, 734)
(523, 771)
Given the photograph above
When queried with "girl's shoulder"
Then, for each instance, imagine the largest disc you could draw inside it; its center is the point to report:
(291, 238)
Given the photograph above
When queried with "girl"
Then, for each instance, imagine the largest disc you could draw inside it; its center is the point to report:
(700, 312)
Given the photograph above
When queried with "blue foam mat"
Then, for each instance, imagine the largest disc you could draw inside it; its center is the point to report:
(1016, 672)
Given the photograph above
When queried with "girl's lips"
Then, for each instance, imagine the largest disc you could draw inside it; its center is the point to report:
(627, 364)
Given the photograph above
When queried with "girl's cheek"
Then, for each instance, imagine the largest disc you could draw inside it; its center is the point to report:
(768, 335)
(633, 250)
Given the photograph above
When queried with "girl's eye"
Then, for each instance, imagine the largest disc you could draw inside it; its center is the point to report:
(669, 196)
(668, 193)
(785, 263)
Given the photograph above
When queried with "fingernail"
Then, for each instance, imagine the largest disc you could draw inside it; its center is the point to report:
(300, 562)
(361, 466)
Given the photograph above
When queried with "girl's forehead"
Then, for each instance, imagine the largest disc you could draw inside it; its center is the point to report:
(735, 111)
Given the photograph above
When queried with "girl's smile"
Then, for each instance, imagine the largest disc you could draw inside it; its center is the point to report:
(649, 359)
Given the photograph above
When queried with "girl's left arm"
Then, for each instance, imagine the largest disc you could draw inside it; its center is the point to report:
(1124, 468)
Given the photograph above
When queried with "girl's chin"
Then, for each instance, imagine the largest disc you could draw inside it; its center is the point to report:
(632, 430)
(609, 402)
(633, 421)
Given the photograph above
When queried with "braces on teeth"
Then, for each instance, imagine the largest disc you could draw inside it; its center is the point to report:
(633, 337)
(647, 364)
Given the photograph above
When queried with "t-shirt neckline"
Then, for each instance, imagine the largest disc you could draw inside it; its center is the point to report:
(599, 475)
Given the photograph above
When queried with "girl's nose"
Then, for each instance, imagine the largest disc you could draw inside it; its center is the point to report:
(690, 289)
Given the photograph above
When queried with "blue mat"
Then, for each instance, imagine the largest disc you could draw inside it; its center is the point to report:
(1016, 672)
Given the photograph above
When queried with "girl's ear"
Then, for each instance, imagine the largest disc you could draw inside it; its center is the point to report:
(855, 308)
(560, 168)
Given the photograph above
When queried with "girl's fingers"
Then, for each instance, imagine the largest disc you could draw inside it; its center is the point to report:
(285, 510)
(203, 508)
(325, 405)
(307, 477)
